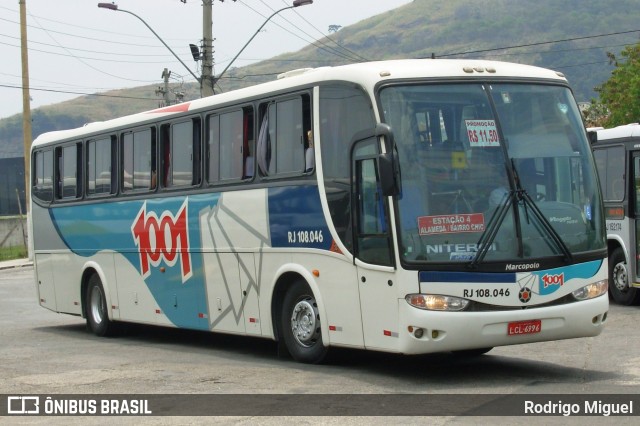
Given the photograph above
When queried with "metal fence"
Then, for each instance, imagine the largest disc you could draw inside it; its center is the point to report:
(12, 187)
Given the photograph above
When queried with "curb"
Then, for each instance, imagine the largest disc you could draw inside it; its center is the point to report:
(15, 265)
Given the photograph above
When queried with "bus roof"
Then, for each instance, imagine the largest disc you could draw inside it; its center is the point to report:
(366, 74)
(625, 131)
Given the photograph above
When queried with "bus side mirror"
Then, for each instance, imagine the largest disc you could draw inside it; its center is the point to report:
(388, 165)
(389, 174)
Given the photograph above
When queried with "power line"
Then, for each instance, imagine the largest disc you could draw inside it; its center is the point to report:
(331, 50)
(133, 54)
(581, 65)
(85, 50)
(536, 44)
(82, 37)
(327, 36)
(544, 52)
(57, 83)
(69, 54)
(335, 51)
(92, 29)
(11, 86)
(80, 59)
(340, 54)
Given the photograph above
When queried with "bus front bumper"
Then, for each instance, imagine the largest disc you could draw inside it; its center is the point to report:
(424, 331)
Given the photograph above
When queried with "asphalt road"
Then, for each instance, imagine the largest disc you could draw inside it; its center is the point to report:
(42, 352)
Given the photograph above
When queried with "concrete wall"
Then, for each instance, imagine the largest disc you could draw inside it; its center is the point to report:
(11, 234)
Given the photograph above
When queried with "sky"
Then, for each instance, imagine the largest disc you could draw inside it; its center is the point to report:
(76, 48)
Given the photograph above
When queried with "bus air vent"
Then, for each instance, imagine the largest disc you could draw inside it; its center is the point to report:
(293, 73)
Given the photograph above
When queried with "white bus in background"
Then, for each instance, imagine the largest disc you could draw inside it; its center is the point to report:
(408, 206)
(617, 155)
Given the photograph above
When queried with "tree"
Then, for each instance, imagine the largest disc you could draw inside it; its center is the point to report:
(620, 95)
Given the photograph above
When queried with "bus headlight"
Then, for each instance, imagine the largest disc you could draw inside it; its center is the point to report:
(592, 290)
(435, 302)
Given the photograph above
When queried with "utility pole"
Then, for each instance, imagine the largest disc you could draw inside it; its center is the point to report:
(26, 102)
(164, 91)
(206, 80)
(165, 75)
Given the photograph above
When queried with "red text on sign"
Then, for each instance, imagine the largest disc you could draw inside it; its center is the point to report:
(163, 239)
(553, 279)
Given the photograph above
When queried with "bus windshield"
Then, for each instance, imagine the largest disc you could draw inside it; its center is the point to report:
(503, 169)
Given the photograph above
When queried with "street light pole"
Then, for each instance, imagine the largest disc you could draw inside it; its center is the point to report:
(112, 6)
(296, 3)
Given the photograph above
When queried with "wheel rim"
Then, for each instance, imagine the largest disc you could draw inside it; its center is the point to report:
(305, 324)
(97, 311)
(620, 277)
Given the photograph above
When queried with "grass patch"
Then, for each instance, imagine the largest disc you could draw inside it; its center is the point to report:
(10, 253)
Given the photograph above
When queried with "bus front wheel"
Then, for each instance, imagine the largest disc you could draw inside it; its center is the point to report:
(300, 324)
(96, 306)
(619, 284)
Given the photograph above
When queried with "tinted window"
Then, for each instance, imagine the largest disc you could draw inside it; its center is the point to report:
(230, 146)
(285, 137)
(43, 175)
(610, 164)
(99, 166)
(180, 157)
(67, 171)
(138, 158)
(344, 111)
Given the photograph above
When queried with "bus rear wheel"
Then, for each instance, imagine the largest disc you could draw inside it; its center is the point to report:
(96, 305)
(300, 324)
(619, 284)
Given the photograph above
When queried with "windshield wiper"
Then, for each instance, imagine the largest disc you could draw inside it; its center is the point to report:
(490, 232)
(546, 226)
(515, 197)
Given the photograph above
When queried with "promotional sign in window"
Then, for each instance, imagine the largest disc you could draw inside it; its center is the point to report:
(482, 133)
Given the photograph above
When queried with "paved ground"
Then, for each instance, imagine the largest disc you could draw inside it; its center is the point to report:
(16, 263)
(42, 352)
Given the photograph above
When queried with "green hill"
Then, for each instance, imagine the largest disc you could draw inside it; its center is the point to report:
(417, 30)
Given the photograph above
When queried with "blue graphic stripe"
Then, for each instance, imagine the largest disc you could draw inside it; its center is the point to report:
(466, 277)
(91, 228)
(296, 218)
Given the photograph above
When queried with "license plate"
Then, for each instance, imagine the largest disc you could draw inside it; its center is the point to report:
(524, 327)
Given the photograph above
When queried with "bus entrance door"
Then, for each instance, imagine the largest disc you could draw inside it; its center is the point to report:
(374, 257)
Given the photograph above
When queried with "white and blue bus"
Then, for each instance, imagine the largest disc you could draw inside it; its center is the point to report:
(408, 206)
(617, 155)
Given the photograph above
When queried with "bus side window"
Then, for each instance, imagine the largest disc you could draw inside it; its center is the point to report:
(231, 140)
(100, 180)
(43, 175)
(344, 110)
(263, 149)
(180, 153)
(165, 158)
(213, 149)
(616, 183)
(248, 156)
(611, 166)
(68, 170)
(139, 165)
(373, 242)
(283, 138)
(229, 146)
